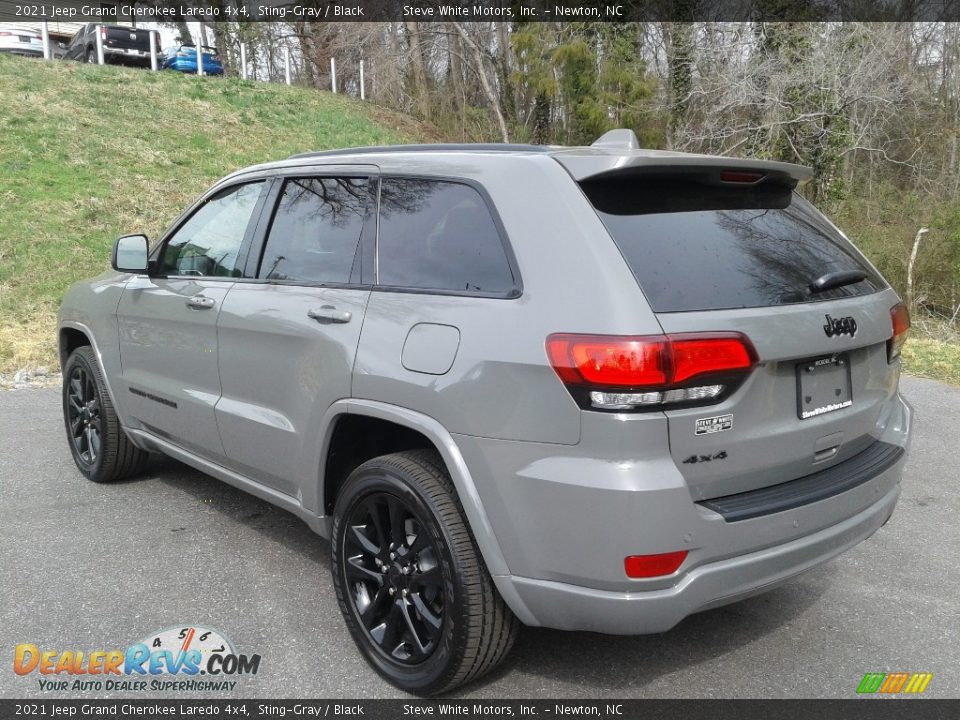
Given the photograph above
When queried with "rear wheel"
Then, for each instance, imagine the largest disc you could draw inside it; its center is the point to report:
(91, 56)
(410, 582)
(100, 448)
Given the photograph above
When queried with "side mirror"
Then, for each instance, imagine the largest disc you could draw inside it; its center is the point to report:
(130, 254)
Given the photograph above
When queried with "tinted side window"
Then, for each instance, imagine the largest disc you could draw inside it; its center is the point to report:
(438, 235)
(208, 243)
(316, 230)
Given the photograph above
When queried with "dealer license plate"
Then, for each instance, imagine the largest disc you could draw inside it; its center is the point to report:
(823, 385)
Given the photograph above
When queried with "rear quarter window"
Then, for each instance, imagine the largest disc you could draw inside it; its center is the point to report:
(701, 246)
(437, 235)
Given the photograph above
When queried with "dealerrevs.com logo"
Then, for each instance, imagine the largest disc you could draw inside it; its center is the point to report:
(188, 659)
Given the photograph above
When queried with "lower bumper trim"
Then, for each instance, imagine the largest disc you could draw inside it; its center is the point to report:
(570, 607)
(844, 476)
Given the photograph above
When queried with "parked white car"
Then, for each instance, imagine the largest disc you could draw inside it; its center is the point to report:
(19, 40)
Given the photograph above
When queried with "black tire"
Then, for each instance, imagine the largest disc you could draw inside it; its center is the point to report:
(100, 447)
(91, 56)
(447, 577)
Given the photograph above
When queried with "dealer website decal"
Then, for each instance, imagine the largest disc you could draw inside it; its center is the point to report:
(169, 660)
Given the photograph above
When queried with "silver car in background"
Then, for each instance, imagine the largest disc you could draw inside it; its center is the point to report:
(19, 40)
(595, 388)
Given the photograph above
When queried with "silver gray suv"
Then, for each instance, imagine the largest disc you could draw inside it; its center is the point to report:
(595, 388)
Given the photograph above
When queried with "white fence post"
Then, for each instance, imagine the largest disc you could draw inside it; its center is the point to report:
(286, 64)
(199, 60)
(363, 90)
(243, 61)
(154, 41)
(333, 74)
(45, 39)
(99, 32)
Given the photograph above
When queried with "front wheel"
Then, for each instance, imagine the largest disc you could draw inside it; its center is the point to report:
(411, 584)
(100, 447)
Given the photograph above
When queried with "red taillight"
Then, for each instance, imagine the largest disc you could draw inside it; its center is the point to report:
(647, 566)
(900, 318)
(701, 355)
(615, 372)
(738, 176)
(609, 360)
(103, 32)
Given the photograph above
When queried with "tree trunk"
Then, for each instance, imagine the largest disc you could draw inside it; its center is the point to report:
(419, 68)
(911, 296)
(481, 70)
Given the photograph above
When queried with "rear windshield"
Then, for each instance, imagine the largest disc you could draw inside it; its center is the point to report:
(701, 246)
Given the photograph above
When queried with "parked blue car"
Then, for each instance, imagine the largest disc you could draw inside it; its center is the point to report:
(184, 59)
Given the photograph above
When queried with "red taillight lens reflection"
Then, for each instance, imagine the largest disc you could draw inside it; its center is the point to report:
(698, 356)
(608, 360)
(647, 566)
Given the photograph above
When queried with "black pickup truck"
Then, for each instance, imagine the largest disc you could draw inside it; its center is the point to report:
(121, 44)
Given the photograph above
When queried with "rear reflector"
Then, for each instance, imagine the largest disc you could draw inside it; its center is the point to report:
(612, 372)
(647, 566)
(900, 318)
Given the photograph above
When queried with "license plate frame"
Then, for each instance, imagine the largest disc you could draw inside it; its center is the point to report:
(823, 385)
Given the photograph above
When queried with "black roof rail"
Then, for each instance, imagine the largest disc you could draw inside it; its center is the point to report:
(439, 147)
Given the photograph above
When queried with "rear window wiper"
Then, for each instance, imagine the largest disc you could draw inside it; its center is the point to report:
(836, 279)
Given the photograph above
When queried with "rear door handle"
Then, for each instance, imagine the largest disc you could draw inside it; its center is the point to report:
(329, 313)
(199, 302)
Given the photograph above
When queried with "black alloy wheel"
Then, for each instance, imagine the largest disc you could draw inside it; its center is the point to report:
(83, 415)
(396, 585)
(99, 446)
(410, 581)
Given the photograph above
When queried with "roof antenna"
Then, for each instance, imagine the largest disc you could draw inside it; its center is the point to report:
(620, 139)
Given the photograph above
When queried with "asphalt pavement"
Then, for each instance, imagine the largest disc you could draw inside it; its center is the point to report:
(86, 567)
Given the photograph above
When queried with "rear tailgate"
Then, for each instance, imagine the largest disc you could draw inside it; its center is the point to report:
(760, 438)
(735, 249)
(127, 39)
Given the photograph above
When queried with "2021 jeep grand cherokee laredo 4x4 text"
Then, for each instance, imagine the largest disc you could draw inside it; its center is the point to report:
(584, 388)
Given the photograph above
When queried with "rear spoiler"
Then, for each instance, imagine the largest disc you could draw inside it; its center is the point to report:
(617, 153)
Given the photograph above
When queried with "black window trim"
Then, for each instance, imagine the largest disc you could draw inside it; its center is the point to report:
(156, 253)
(512, 294)
(272, 204)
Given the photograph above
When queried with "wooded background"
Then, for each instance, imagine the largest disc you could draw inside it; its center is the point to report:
(874, 108)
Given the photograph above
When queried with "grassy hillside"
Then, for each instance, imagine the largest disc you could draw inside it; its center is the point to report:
(89, 153)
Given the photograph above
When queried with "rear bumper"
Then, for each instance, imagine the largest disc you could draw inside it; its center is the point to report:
(22, 51)
(119, 55)
(570, 607)
(565, 517)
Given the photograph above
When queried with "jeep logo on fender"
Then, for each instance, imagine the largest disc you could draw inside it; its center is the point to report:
(840, 326)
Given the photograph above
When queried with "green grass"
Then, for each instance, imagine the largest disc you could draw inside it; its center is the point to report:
(89, 153)
(933, 351)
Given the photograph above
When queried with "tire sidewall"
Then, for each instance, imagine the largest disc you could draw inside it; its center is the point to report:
(376, 477)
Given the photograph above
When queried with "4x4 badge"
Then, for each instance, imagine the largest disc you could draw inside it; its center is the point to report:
(840, 326)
